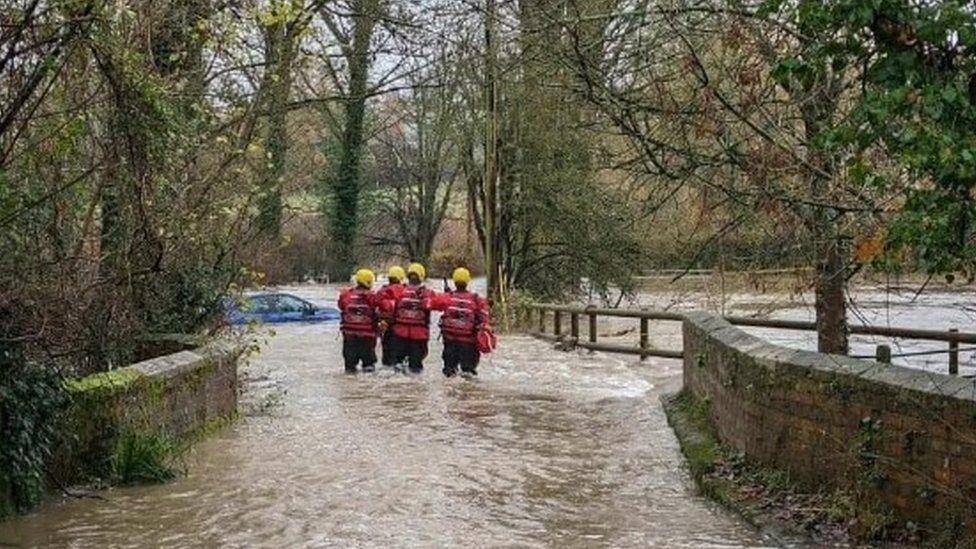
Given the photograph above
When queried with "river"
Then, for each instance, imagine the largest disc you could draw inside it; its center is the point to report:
(542, 449)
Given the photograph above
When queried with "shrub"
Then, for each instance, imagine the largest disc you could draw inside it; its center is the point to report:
(141, 458)
(31, 400)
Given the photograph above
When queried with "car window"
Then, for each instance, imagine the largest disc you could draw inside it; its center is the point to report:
(290, 304)
(258, 304)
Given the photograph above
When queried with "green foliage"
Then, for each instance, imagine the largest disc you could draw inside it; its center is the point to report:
(31, 399)
(866, 447)
(918, 105)
(141, 458)
(122, 188)
(184, 300)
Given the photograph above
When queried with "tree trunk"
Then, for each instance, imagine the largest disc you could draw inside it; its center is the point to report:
(831, 277)
(280, 40)
(490, 215)
(831, 299)
(346, 182)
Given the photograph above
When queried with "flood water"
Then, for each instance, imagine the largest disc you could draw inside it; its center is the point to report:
(543, 449)
(867, 305)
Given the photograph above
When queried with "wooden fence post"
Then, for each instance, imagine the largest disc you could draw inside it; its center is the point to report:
(643, 336)
(574, 326)
(592, 328)
(954, 354)
(557, 323)
(883, 354)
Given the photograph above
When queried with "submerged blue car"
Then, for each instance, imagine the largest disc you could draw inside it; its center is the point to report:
(275, 308)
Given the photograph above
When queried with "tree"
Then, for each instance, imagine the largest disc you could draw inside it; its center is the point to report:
(344, 182)
(419, 161)
(553, 219)
(282, 24)
(918, 106)
(734, 98)
(125, 190)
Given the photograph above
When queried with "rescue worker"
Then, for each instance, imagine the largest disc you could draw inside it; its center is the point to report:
(411, 319)
(359, 323)
(464, 312)
(388, 296)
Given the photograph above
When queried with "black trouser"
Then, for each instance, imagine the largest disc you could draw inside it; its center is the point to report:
(461, 354)
(413, 351)
(389, 347)
(359, 349)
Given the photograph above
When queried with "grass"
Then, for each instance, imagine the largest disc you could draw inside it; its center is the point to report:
(144, 458)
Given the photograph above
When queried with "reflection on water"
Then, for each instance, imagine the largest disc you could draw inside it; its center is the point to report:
(543, 449)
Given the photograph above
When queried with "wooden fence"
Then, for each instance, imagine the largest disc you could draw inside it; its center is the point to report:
(542, 312)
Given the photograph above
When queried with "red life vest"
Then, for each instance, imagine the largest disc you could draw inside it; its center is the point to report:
(388, 295)
(460, 320)
(358, 316)
(411, 310)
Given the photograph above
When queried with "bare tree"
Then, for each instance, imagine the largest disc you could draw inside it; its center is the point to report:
(699, 93)
(419, 162)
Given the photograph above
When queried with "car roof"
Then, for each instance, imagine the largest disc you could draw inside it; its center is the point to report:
(272, 294)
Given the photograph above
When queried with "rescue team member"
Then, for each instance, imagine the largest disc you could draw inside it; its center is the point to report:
(411, 319)
(359, 323)
(388, 296)
(464, 313)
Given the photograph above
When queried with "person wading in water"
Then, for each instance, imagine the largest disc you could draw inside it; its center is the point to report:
(464, 314)
(388, 296)
(359, 323)
(411, 319)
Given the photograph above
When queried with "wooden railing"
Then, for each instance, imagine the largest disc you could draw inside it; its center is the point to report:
(542, 311)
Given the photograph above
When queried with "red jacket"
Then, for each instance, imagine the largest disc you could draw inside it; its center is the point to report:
(464, 312)
(359, 316)
(387, 297)
(411, 313)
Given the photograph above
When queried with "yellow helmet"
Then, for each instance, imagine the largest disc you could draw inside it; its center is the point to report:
(461, 275)
(417, 269)
(365, 277)
(396, 272)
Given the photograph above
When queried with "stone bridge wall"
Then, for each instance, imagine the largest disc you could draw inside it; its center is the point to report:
(903, 438)
(176, 396)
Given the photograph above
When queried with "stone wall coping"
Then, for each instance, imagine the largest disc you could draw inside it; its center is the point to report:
(772, 355)
(181, 362)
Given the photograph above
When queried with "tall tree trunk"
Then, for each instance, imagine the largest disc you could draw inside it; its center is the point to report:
(831, 276)
(490, 215)
(281, 40)
(831, 299)
(347, 181)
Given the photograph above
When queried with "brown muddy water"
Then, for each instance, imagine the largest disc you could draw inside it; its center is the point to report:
(543, 449)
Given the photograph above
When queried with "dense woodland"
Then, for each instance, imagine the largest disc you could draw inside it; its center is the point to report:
(156, 156)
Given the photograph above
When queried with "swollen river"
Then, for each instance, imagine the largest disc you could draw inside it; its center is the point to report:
(543, 449)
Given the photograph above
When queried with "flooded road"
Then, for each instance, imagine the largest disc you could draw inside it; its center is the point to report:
(543, 449)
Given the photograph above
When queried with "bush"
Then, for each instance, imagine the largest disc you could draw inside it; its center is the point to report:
(514, 314)
(31, 400)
